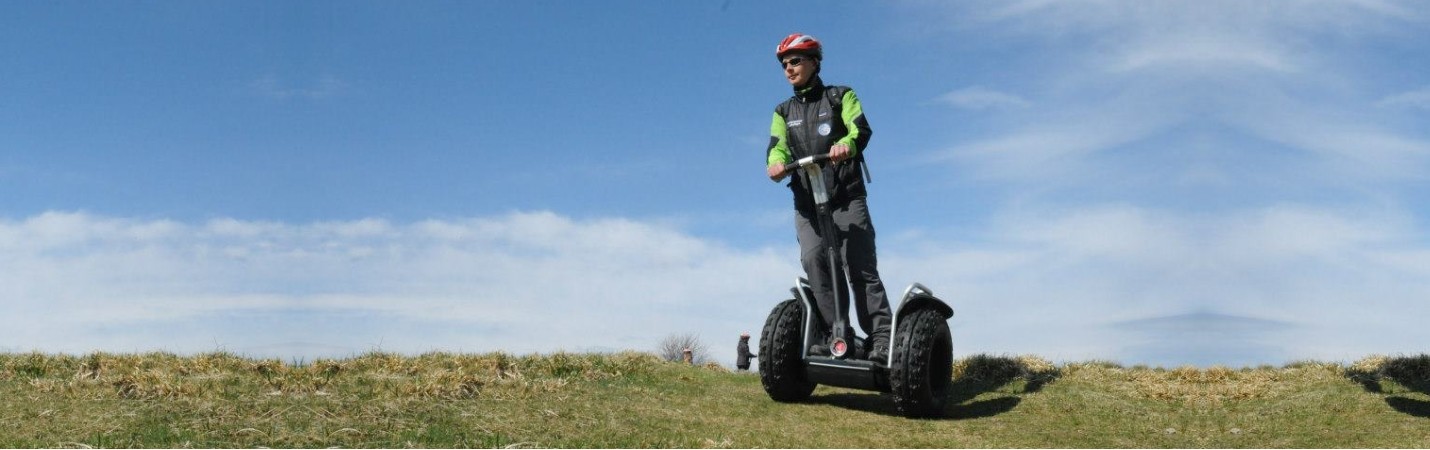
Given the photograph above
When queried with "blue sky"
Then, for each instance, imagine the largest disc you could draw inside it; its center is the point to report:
(1167, 183)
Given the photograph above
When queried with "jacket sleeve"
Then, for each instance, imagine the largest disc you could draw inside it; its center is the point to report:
(778, 151)
(859, 131)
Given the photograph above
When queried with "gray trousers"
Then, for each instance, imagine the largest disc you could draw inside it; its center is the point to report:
(856, 233)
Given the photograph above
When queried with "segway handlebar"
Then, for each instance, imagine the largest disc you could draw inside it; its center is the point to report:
(805, 161)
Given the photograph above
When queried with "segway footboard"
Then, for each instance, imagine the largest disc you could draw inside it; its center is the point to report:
(856, 373)
(847, 373)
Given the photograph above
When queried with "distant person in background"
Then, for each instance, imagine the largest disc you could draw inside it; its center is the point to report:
(687, 357)
(742, 352)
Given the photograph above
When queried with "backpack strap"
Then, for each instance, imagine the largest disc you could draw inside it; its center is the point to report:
(835, 95)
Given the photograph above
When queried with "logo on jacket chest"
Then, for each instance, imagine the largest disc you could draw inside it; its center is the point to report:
(824, 129)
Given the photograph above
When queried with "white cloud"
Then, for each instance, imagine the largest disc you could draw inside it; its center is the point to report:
(1342, 143)
(1202, 53)
(1114, 73)
(1418, 98)
(1192, 162)
(1061, 283)
(546, 281)
(1059, 18)
(978, 98)
(1065, 284)
(1059, 143)
(1196, 34)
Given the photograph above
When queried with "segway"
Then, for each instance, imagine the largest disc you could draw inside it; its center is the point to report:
(918, 369)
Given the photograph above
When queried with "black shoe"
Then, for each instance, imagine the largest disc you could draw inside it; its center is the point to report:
(880, 349)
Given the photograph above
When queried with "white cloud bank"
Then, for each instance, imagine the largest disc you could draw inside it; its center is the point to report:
(522, 282)
(1327, 284)
(1113, 282)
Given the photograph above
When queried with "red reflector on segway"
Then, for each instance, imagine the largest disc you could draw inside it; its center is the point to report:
(838, 347)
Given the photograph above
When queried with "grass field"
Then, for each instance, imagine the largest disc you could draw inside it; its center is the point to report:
(637, 400)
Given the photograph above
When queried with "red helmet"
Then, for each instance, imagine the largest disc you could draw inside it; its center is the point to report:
(799, 43)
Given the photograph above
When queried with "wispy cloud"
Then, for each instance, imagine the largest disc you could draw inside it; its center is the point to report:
(1129, 71)
(1201, 52)
(272, 86)
(1055, 145)
(979, 98)
(1418, 98)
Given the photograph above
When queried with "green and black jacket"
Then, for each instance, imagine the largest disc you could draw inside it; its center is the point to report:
(816, 118)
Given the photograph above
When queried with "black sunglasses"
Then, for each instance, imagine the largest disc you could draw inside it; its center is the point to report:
(794, 61)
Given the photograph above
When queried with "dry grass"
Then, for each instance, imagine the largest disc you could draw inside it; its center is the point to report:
(1208, 387)
(223, 400)
(1387, 374)
(637, 400)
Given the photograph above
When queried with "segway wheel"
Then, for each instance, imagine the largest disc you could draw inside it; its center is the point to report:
(781, 362)
(923, 365)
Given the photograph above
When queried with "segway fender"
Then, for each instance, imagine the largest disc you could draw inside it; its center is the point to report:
(918, 296)
(920, 301)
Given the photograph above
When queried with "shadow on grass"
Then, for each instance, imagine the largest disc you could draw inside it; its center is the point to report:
(1390, 376)
(1407, 405)
(974, 377)
(872, 402)
(883, 404)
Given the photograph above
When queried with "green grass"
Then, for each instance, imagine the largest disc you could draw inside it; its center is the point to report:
(636, 400)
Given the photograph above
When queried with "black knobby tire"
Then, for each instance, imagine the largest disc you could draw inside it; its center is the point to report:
(923, 365)
(781, 363)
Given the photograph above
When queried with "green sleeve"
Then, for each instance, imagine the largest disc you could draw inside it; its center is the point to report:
(778, 151)
(859, 131)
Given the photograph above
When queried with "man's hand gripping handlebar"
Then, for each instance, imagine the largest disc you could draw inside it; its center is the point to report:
(778, 172)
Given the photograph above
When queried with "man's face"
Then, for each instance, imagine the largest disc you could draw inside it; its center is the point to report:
(798, 68)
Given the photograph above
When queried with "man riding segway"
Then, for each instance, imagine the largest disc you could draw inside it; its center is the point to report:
(821, 134)
(818, 120)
